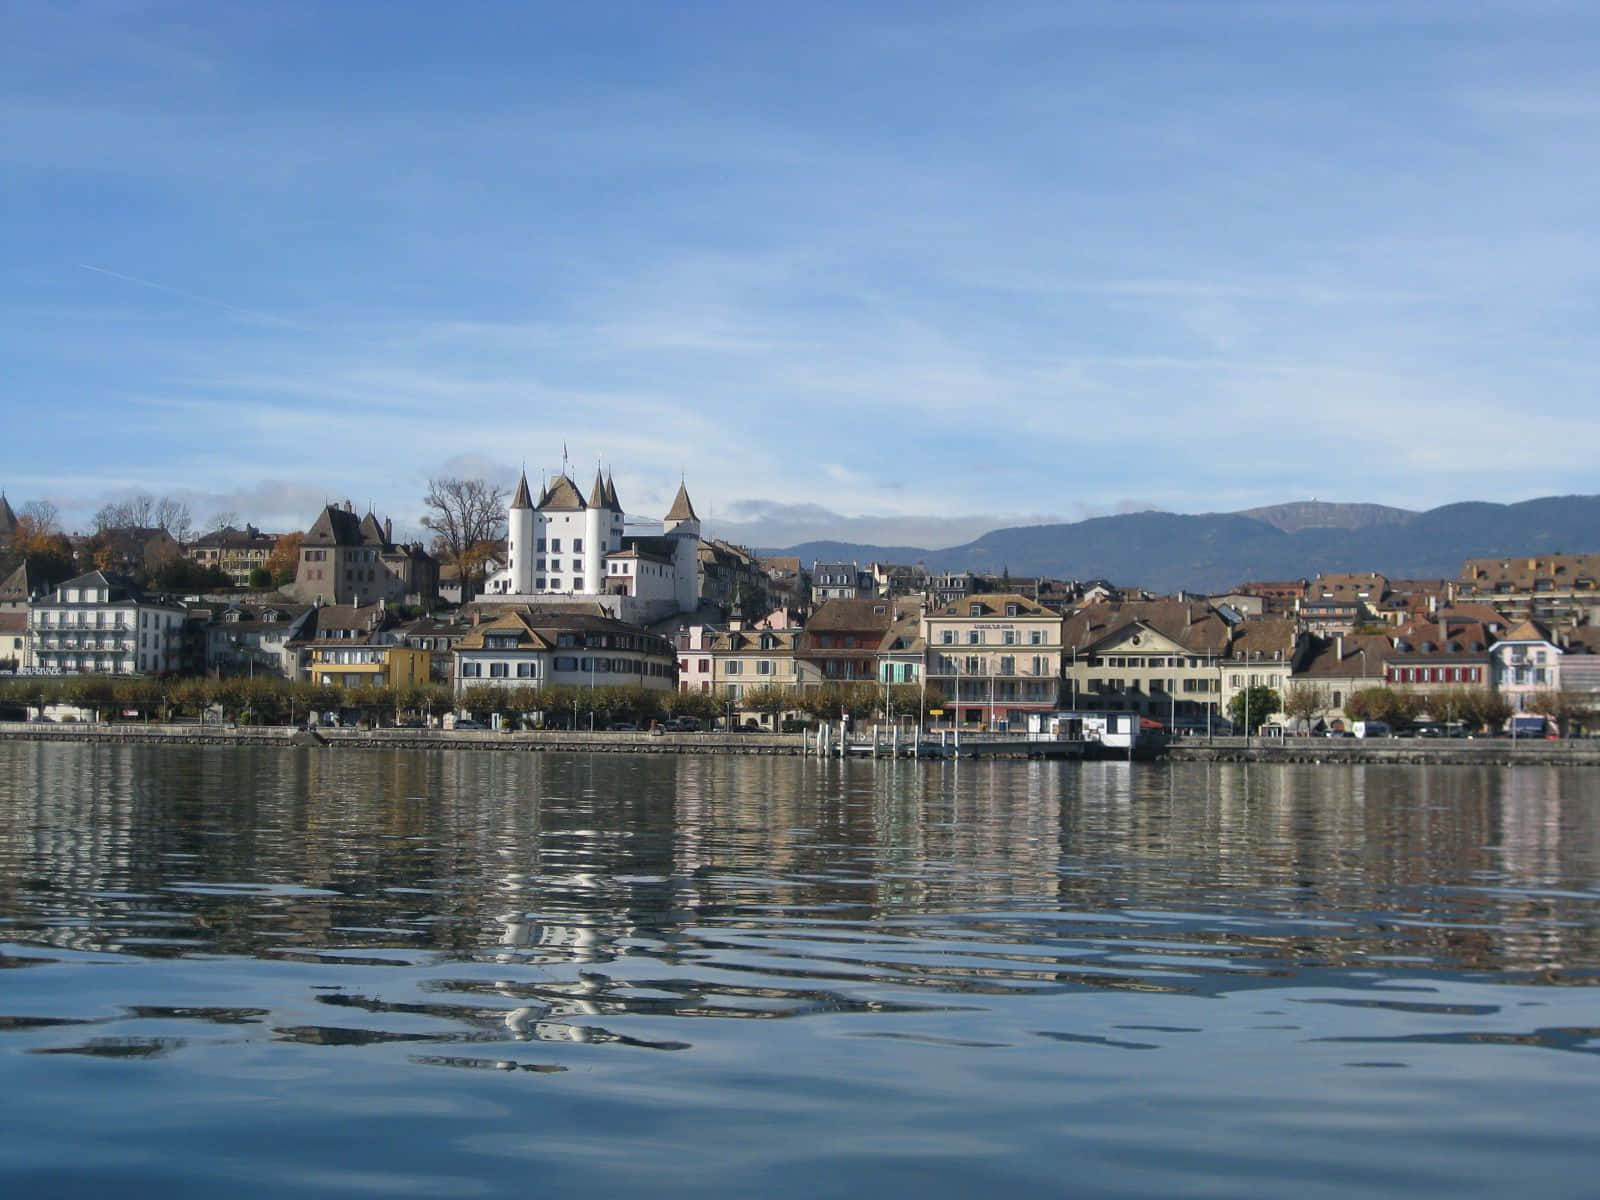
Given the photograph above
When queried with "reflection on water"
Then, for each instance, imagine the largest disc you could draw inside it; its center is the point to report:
(922, 975)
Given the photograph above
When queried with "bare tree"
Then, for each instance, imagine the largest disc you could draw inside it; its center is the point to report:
(43, 517)
(225, 519)
(467, 517)
(143, 511)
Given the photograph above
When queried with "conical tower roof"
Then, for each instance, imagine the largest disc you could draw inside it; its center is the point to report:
(612, 502)
(522, 499)
(681, 509)
(8, 519)
(597, 494)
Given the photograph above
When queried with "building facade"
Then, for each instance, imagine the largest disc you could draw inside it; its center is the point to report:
(995, 657)
(522, 646)
(102, 624)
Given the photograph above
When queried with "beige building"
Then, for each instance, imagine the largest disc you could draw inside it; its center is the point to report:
(995, 657)
(1338, 667)
(1161, 658)
(235, 552)
(745, 661)
(1559, 589)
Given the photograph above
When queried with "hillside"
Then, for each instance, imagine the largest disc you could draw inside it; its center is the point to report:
(1216, 551)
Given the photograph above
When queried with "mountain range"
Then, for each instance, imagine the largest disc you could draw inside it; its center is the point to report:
(1213, 552)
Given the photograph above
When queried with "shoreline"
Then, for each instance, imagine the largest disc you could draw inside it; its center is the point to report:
(1487, 752)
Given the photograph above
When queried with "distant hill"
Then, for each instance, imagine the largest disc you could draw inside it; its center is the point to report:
(1213, 552)
(1318, 514)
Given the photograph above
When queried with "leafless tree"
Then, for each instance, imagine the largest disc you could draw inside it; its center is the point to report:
(219, 521)
(144, 511)
(467, 517)
(43, 516)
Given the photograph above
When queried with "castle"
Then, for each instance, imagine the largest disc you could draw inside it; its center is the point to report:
(566, 548)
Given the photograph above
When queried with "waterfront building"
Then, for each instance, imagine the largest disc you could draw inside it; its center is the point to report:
(1160, 658)
(747, 660)
(995, 657)
(1339, 666)
(1446, 653)
(102, 624)
(526, 646)
(366, 665)
(252, 639)
(1525, 662)
(903, 651)
(841, 640)
(1260, 654)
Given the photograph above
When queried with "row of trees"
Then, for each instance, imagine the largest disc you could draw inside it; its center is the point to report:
(1477, 708)
(272, 701)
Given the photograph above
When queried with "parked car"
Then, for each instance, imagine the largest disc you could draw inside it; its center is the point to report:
(469, 723)
(683, 725)
(623, 727)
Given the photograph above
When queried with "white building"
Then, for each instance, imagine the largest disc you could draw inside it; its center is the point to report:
(98, 624)
(576, 550)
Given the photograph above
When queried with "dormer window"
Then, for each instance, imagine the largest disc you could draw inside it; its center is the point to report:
(1012, 610)
(975, 610)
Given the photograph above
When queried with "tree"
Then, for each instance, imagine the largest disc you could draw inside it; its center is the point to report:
(1452, 704)
(1384, 704)
(1250, 707)
(1305, 702)
(771, 700)
(285, 561)
(467, 517)
(219, 521)
(260, 579)
(144, 511)
(38, 541)
(1490, 709)
(1566, 707)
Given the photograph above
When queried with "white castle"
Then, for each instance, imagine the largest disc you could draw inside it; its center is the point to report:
(567, 549)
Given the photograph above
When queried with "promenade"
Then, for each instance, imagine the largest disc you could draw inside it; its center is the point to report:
(1481, 752)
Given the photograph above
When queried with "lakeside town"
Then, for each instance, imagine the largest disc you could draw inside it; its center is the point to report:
(548, 608)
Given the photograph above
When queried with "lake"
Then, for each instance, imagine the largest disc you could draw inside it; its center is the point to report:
(265, 972)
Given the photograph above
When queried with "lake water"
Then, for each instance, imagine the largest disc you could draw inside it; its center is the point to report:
(276, 973)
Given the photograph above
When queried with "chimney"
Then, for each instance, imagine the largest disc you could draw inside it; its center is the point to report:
(388, 530)
(1338, 648)
(348, 507)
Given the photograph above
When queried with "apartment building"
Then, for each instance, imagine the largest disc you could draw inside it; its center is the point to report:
(995, 657)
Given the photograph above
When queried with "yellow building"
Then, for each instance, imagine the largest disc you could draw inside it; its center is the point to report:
(368, 666)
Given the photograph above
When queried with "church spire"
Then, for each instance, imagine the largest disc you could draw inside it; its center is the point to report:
(522, 499)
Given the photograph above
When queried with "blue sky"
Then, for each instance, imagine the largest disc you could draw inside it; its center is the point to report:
(893, 272)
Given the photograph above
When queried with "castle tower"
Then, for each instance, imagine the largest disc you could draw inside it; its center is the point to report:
(682, 525)
(596, 530)
(520, 539)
